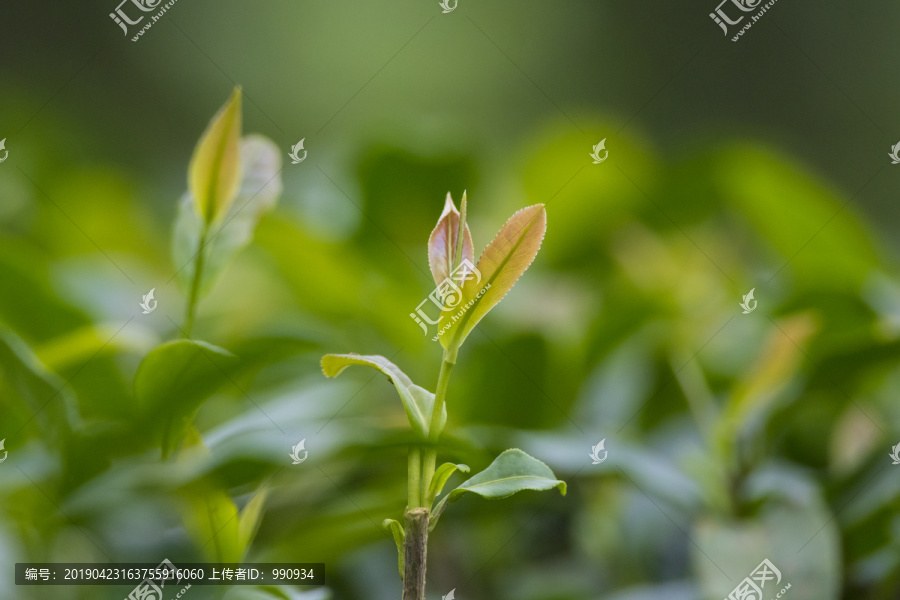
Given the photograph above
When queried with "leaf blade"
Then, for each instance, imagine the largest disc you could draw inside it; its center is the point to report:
(214, 170)
(443, 241)
(417, 401)
(501, 264)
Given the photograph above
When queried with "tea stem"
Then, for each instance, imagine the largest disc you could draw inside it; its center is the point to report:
(414, 478)
(195, 284)
(434, 430)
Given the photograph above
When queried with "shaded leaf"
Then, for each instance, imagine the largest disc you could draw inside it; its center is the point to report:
(440, 477)
(399, 535)
(259, 190)
(172, 382)
(31, 393)
(500, 266)
(513, 471)
(417, 401)
(443, 242)
(214, 171)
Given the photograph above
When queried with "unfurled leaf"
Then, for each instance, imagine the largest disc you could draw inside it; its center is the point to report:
(172, 382)
(500, 266)
(511, 472)
(250, 518)
(440, 477)
(417, 401)
(214, 172)
(259, 190)
(444, 240)
(399, 536)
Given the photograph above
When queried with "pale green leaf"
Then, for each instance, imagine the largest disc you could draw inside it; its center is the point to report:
(443, 242)
(500, 266)
(259, 190)
(214, 171)
(417, 401)
(513, 471)
(399, 535)
(251, 516)
(440, 477)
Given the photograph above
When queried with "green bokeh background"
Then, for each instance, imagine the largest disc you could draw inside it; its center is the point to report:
(732, 438)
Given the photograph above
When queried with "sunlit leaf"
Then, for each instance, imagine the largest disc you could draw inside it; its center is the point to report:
(250, 518)
(214, 171)
(440, 477)
(513, 471)
(210, 516)
(500, 266)
(443, 242)
(417, 401)
(172, 382)
(259, 190)
(399, 536)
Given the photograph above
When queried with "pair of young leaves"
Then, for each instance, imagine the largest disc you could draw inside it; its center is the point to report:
(500, 266)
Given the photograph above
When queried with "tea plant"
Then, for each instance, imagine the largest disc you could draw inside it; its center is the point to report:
(232, 181)
(450, 255)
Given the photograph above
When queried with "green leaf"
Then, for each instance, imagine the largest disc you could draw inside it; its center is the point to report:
(172, 382)
(260, 188)
(399, 538)
(511, 472)
(441, 475)
(251, 516)
(214, 171)
(417, 401)
(500, 266)
(443, 242)
(29, 393)
(210, 516)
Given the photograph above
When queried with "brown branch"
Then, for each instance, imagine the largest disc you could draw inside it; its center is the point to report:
(415, 551)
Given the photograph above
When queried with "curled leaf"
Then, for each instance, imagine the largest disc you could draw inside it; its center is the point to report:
(399, 536)
(214, 171)
(441, 475)
(417, 401)
(500, 266)
(443, 242)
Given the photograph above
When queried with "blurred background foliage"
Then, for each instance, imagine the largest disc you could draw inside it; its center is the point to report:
(731, 437)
